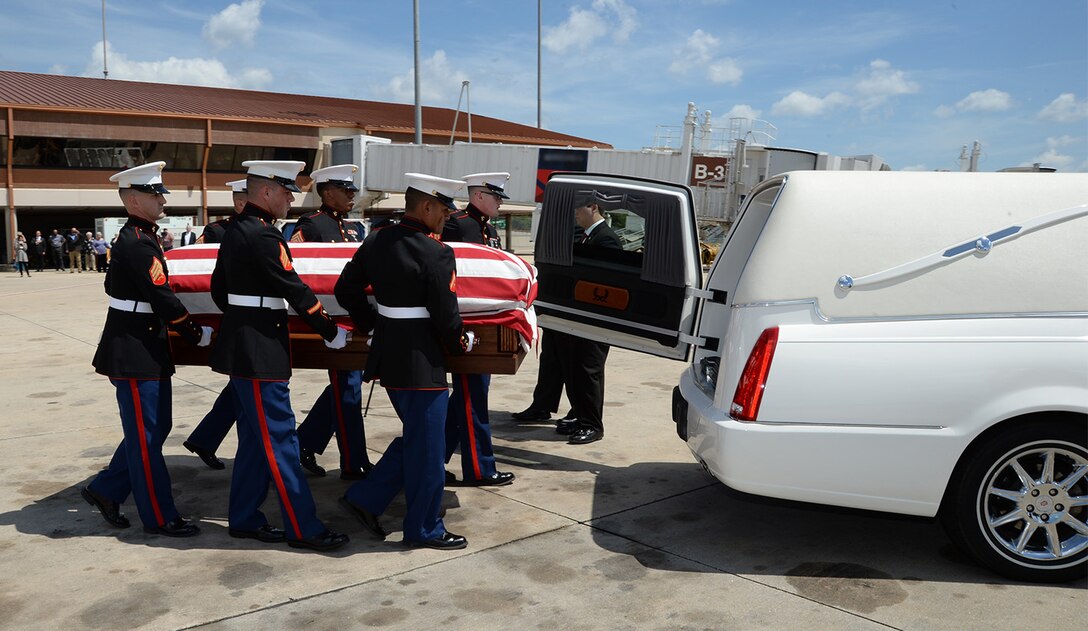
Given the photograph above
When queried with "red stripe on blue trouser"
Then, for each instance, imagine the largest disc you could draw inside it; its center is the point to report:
(468, 426)
(413, 462)
(338, 411)
(137, 466)
(268, 453)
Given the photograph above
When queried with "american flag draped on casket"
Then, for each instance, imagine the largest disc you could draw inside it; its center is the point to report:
(495, 292)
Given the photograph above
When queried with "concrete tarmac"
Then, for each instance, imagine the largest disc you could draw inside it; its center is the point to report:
(626, 533)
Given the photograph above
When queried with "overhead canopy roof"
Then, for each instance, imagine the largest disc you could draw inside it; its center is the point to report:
(106, 96)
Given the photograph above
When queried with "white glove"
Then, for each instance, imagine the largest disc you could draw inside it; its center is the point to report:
(471, 337)
(343, 336)
(205, 336)
(370, 338)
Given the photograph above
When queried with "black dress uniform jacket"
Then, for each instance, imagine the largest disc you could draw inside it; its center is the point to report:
(213, 232)
(134, 345)
(254, 260)
(408, 267)
(470, 226)
(323, 226)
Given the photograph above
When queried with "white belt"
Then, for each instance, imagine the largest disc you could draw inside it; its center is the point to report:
(403, 313)
(132, 306)
(267, 302)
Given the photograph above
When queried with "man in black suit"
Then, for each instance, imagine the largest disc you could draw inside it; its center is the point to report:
(188, 237)
(583, 359)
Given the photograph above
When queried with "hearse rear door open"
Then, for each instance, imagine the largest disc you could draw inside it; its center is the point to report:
(643, 296)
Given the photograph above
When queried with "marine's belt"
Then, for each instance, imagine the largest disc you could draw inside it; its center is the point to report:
(264, 302)
(402, 313)
(132, 306)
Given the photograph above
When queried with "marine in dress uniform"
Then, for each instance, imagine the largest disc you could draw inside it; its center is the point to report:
(583, 359)
(467, 421)
(339, 409)
(206, 437)
(253, 284)
(415, 316)
(135, 354)
(213, 232)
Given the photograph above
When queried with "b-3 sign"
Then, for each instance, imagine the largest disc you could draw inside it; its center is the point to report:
(707, 170)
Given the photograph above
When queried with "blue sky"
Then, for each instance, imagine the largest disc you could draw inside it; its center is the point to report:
(909, 81)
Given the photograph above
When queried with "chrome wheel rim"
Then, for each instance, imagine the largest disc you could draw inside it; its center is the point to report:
(1033, 505)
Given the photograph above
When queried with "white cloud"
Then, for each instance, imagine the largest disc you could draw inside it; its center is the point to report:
(697, 51)
(191, 71)
(989, 100)
(440, 82)
(724, 70)
(1052, 157)
(741, 110)
(944, 111)
(798, 103)
(1065, 109)
(236, 23)
(881, 82)
(584, 28)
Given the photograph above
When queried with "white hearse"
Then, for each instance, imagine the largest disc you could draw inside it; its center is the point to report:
(915, 343)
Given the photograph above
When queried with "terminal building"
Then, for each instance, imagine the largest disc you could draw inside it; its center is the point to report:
(62, 137)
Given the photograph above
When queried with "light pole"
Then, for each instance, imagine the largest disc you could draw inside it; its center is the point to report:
(105, 68)
(419, 108)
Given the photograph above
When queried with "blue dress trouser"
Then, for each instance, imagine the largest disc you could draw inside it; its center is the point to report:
(137, 466)
(339, 410)
(413, 462)
(268, 452)
(467, 425)
(216, 424)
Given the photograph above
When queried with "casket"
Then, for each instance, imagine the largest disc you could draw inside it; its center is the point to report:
(495, 292)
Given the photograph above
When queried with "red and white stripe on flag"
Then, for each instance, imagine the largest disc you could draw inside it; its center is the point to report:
(493, 286)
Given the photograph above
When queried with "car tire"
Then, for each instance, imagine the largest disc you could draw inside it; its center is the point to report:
(1020, 503)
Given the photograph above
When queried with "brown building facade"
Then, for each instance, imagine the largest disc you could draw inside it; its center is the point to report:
(62, 137)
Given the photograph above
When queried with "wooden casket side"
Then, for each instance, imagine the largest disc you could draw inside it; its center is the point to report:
(498, 352)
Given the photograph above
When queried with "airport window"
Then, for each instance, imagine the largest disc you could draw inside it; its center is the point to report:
(221, 158)
(230, 157)
(60, 153)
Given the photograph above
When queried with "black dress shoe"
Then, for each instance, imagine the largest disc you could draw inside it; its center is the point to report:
(447, 541)
(368, 519)
(566, 427)
(585, 436)
(353, 474)
(570, 416)
(177, 528)
(531, 415)
(309, 462)
(499, 478)
(111, 510)
(323, 542)
(265, 534)
(208, 457)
